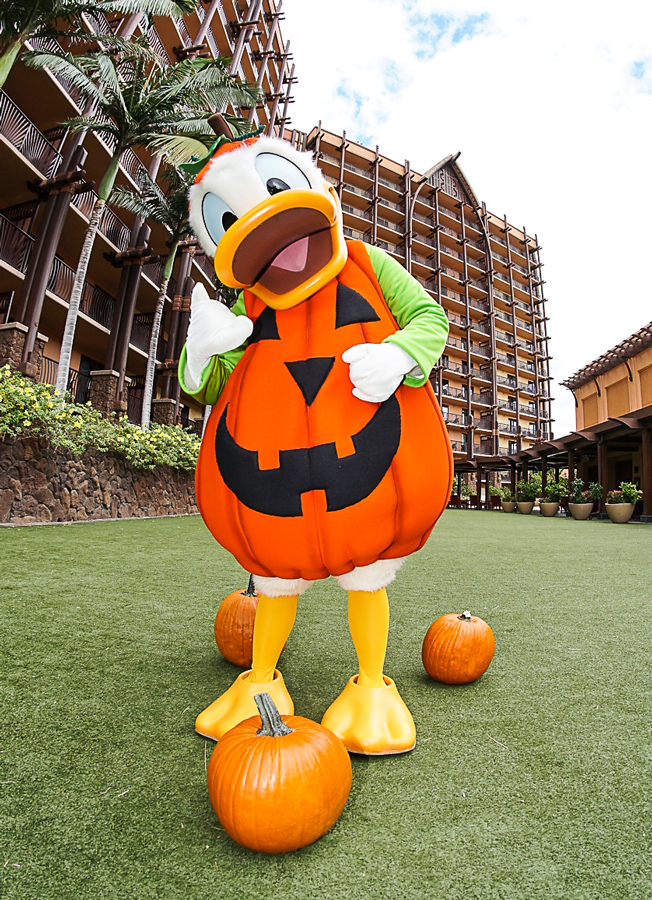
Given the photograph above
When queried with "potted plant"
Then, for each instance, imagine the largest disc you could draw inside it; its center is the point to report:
(555, 490)
(580, 501)
(507, 500)
(620, 504)
(495, 496)
(526, 494)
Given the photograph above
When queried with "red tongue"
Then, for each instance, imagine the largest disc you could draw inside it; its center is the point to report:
(293, 258)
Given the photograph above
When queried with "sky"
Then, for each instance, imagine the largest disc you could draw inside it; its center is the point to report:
(550, 105)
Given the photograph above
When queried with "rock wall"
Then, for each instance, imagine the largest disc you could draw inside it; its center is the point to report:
(42, 484)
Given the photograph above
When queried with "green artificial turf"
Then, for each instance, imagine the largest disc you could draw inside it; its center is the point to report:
(533, 782)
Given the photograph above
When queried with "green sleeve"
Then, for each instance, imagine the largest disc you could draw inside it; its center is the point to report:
(422, 321)
(217, 371)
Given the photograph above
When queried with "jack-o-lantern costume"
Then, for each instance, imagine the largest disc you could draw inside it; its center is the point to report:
(299, 476)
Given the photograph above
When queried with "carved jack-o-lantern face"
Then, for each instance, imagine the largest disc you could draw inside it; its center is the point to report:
(299, 478)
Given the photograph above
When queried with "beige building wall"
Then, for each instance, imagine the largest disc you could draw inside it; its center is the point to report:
(615, 393)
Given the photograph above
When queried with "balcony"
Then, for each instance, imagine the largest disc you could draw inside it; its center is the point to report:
(22, 134)
(455, 393)
(79, 383)
(141, 331)
(457, 343)
(15, 245)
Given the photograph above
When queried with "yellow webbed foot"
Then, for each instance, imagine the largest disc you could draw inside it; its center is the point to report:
(373, 721)
(237, 704)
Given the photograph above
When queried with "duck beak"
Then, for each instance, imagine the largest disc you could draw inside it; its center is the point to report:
(285, 248)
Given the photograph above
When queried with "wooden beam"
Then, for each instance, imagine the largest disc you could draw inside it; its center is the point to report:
(646, 474)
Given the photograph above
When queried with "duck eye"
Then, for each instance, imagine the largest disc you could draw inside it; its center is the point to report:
(276, 185)
(218, 216)
(279, 174)
(228, 219)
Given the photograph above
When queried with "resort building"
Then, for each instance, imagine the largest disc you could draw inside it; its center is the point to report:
(493, 381)
(613, 400)
(46, 190)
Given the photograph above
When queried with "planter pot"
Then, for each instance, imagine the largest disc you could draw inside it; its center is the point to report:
(548, 507)
(525, 507)
(619, 513)
(508, 506)
(580, 511)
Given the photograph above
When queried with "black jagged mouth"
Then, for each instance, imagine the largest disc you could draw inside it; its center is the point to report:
(346, 481)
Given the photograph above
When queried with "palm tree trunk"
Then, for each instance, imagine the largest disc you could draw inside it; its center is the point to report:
(153, 341)
(80, 276)
(77, 289)
(7, 60)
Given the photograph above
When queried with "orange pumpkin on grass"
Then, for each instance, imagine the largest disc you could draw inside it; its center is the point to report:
(457, 649)
(234, 626)
(281, 786)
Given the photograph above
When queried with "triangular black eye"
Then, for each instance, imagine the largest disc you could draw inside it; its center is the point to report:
(265, 327)
(351, 307)
(310, 374)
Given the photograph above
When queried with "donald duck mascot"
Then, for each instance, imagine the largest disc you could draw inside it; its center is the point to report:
(326, 453)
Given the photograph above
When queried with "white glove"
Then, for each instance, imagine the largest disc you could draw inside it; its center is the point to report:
(213, 329)
(376, 370)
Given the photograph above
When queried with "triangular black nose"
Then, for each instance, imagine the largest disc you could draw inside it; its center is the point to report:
(310, 374)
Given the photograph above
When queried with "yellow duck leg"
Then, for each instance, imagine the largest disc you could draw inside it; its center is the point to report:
(369, 716)
(274, 620)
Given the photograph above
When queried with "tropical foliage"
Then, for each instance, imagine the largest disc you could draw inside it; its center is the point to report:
(28, 409)
(168, 207)
(527, 490)
(136, 100)
(555, 490)
(21, 20)
(581, 495)
(627, 493)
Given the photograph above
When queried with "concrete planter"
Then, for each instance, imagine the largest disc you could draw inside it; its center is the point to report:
(580, 511)
(619, 513)
(525, 507)
(508, 506)
(549, 507)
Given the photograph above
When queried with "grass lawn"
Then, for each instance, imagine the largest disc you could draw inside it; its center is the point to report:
(534, 782)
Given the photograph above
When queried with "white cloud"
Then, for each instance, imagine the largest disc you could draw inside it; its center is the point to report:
(551, 106)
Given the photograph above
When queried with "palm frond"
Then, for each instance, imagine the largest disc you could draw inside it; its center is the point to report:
(180, 148)
(67, 66)
(149, 7)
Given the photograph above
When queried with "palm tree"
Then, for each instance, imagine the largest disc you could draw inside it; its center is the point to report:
(168, 207)
(21, 20)
(138, 101)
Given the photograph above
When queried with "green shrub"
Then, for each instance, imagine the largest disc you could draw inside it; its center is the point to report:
(527, 491)
(628, 493)
(33, 410)
(555, 490)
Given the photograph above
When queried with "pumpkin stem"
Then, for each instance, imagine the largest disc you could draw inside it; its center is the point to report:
(251, 589)
(273, 725)
(466, 616)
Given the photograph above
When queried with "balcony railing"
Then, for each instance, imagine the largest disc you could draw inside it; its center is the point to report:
(6, 300)
(207, 267)
(26, 138)
(157, 45)
(15, 245)
(79, 383)
(141, 331)
(97, 305)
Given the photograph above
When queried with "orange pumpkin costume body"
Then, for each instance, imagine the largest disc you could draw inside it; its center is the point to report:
(296, 477)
